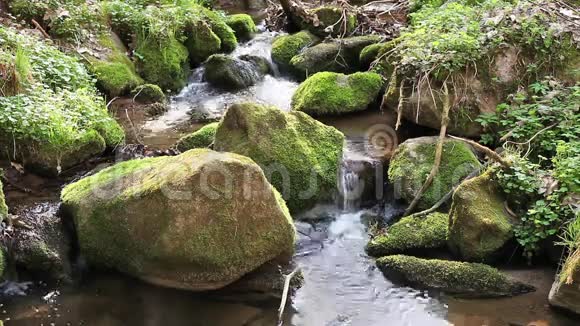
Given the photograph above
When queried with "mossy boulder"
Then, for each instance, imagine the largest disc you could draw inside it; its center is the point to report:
(369, 54)
(565, 291)
(197, 221)
(299, 155)
(201, 42)
(330, 22)
(286, 47)
(411, 234)
(164, 64)
(243, 26)
(229, 73)
(341, 55)
(461, 279)
(219, 27)
(413, 160)
(148, 94)
(328, 93)
(479, 226)
(201, 138)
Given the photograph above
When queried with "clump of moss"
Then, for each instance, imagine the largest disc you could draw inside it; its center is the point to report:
(2, 264)
(413, 160)
(286, 47)
(336, 56)
(149, 93)
(222, 30)
(370, 54)
(164, 64)
(115, 78)
(479, 227)
(243, 26)
(201, 42)
(461, 279)
(331, 22)
(203, 137)
(299, 154)
(411, 233)
(3, 206)
(332, 93)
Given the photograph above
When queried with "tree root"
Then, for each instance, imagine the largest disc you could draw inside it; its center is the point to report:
(287, 280)
(486, 150)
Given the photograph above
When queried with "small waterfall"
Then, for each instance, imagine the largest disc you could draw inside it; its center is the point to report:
(350, 186)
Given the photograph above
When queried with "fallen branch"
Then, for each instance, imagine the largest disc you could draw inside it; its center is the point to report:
(37, 25)
(438, 151)
(486, 150)
(287, 280)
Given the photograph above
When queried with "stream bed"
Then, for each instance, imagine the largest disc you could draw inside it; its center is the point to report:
(342, 285)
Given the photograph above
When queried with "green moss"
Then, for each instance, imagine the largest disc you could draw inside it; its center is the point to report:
(243, 26)
(201, 42)
(299, 155)
(331, 17)
(201, 138)
(411, 233)
(222, 30)
(198, 241)
(413, 161)
(3, 206)
(479, 227)
(149, 93)
(333, 93)
(115, 78)
(2, 263)
(164, 64)
(336, 56)
(464, 279)
(286, 47)
(370, 54)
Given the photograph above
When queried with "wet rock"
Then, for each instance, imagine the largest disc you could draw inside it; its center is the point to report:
(43, 247)
(243, 26)
(328, 93)
(197, 221)
(156, 109)
(286, 47)
(479, 226)
(226, 72)
(411, 234)
(199, 139)
(336, 56)
(413, 161)
(299, 155)
(565, 292)
(148, 94)
(470, 280)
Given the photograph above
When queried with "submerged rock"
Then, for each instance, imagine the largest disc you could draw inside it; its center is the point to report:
(299, 155)
(413, 161)
(243, 26)
(286, 47)
(201, 138)
(565, 292)
(461, 279)
(411, 233)
(197, 221)
(479, 226)
(336, 56)
(231, 73)
(328, 93)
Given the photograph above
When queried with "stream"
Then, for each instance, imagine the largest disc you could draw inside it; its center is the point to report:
(342, 286)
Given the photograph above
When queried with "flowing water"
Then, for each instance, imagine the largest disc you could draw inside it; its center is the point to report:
(342, 285)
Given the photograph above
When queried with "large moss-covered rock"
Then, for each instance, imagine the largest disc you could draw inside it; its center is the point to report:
(411, 233)
(198, 221)
(341, 55)
(201, 138)
(461, 279)
(330, 22)
(243, 26)
(226, 72)
(286, 47)
(163, 64)
(413, 161)
(479, 226)
(565, 292)
(148, 94)
(218, 25)
(201, 42)
(328, 93)
(299, 155)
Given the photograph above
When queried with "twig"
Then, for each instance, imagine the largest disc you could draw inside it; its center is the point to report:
(400, 105)
(37, 25)
(486, 150)
(438, 151)
(287, 280)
